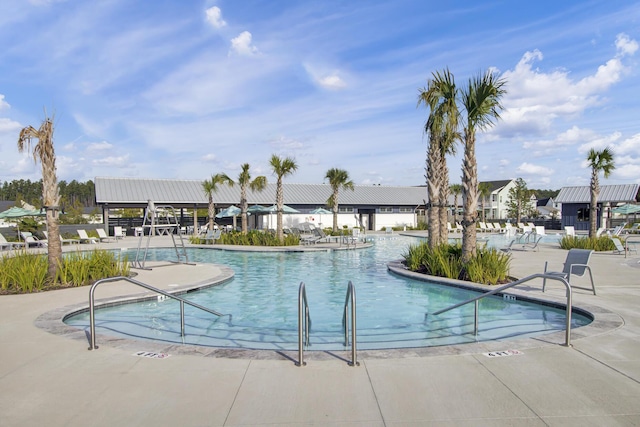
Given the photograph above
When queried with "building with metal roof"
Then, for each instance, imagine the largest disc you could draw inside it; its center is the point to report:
(576, 203)
(372, 206)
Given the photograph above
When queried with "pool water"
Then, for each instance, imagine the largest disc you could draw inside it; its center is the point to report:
(262, 299)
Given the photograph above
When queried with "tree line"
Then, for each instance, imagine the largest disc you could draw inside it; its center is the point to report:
(72, 193)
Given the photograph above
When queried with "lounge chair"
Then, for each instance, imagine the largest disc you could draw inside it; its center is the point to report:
(30, 240)
(523, 243)
(84, 237)
(498, 228)
(539, 230)
(212, 236)
(118, 232)
(576, 264)
(102, 235)
(4, 244)
(620, 248)
(600, 231)
(62, 241)
(569, 230)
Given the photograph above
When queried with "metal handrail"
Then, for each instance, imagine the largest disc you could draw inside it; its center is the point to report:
(92, 320)
(350, 298)
(509, 285)
(304, 324)
(626, 243)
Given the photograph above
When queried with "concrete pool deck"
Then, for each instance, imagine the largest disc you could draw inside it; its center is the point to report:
(50, 379)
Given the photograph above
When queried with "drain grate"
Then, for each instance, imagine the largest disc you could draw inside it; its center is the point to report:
(151, 355)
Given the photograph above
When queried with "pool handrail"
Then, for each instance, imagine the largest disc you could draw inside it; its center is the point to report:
(512, 284)
(350, 298)
(92, 320)
(304, 324)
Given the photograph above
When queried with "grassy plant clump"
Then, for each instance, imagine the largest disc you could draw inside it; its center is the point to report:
(489, 266)
(602, 243)
(252, 238)
(25, 272)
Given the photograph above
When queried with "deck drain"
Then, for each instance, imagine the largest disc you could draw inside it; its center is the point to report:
(151, 355)
(504, 353)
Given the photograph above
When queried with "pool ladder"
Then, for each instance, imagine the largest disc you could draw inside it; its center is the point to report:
(92, 317)
(477, 299)
(304, 323)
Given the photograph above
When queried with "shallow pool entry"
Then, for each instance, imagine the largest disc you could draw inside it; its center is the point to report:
(262, 300)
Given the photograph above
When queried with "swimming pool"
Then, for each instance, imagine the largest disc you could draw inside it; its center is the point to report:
(262, 299)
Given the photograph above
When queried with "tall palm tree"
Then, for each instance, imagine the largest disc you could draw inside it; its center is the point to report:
(210, 186)
(599, 161)
(44, 152)
(338, 178)
(481, 102)
(484, 191)
(456, 190)
(258, 184)
(281, 168)
(441, 127)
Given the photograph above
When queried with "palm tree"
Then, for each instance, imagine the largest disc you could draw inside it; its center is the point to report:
(440, 97)
(484, 190)
(599, 161)
(456, 190)
(281, 168)
(481, 102)
(210, 186)
(258, 184)
(45, 153)
(337, 178)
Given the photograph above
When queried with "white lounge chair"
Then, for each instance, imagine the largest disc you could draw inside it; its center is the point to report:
(569, 230)
(30, 240)
(102, 235)
(576, 264)
(620, 248)
(84, 237)
(4, 244)
(119, 232)
(62, 240)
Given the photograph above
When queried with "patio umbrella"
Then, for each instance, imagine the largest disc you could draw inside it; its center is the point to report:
(320, 212)
(285, 209)
(626, 209)
(16, 212)
(229, 212)
(256, 209)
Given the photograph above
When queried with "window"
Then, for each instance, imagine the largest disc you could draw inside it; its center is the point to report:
(345, 209)
(583, 214)
(406, 210)
(386, 210)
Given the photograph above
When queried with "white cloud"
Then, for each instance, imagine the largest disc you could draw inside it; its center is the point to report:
(8, 125)
(113, 161)
(285, 143)
(332, 82)
(242, 45)
(99, 147)
(629, 146)
(214, 17)
(599, 142)
(326, 79)
(209, 158)
(531, 169)
(625, 46)
(4, 105)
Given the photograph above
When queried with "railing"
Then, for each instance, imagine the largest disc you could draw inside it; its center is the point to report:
(350, 298)
(304, 324)
(634, 238)
(183, 301)
(507, 286)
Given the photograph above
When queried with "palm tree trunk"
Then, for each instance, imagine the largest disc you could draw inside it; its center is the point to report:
(212, 212)
(243, 207)
(444, 199)
(279, 203)
(51, 199)
(433, 215)
(593, 208)
(469, 198)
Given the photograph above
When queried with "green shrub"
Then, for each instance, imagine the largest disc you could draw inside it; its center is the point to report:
(602, 243)
(252, 238)
(25, 272)
(489, 266)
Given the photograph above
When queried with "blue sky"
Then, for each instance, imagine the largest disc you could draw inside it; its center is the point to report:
(187, 89)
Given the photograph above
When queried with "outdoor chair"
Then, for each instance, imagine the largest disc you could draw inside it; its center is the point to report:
(576, 264)
(4, 244)
(620, 248)
(30, 240)
(118, 232)
(84, 237)
(102, 235)
(62, 240)
(212, 236)
(569, 230)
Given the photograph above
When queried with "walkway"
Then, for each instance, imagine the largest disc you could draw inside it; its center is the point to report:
(51, 379)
